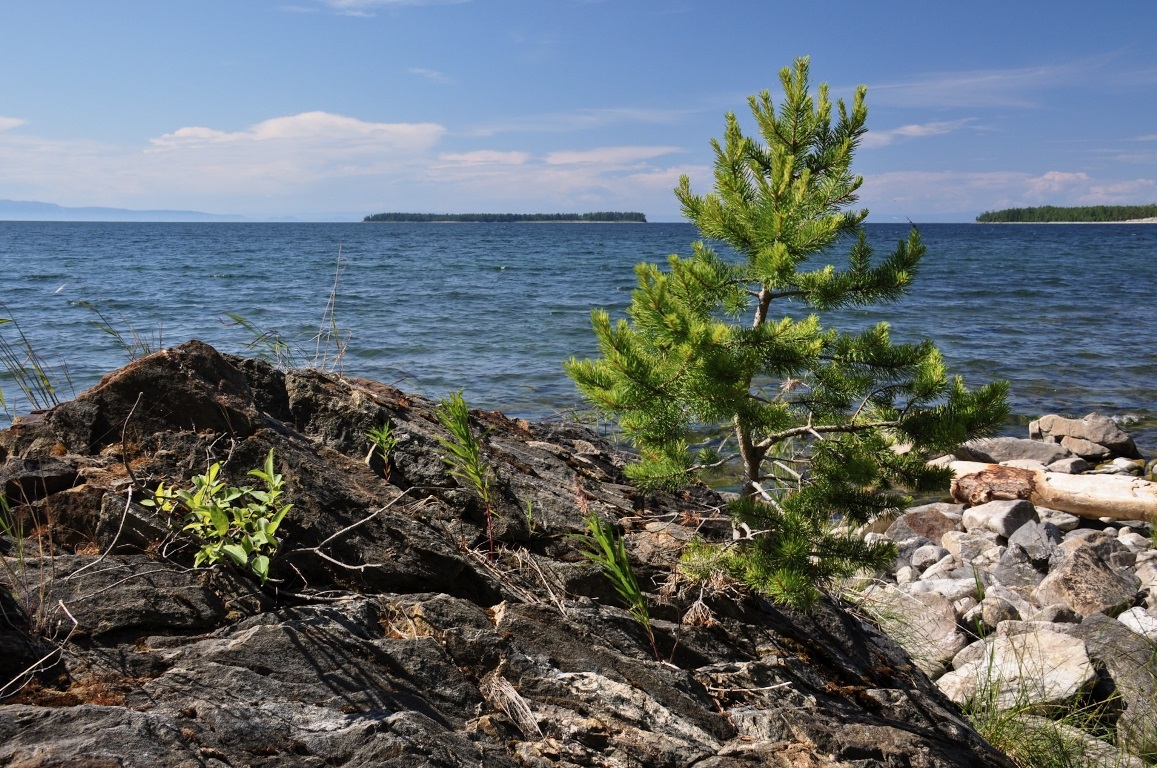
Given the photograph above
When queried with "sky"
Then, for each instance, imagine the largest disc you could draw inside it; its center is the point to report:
(335, 109)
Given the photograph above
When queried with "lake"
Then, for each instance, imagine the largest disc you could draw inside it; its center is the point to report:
(1067, 313)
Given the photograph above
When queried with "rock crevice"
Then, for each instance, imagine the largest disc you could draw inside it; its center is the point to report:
(385, 635)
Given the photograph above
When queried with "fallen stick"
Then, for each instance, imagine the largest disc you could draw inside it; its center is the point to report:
(1120, 497)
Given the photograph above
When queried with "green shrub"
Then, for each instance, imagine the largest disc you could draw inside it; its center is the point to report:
(238, 524)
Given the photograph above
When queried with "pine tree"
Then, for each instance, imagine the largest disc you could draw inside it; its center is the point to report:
(824, 426)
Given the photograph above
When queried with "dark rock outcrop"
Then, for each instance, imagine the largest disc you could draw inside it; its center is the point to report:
(385, 635)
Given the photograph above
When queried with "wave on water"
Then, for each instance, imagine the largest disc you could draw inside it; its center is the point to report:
(1058, 310)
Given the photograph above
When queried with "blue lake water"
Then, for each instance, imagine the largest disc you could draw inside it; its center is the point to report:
(1067, 313)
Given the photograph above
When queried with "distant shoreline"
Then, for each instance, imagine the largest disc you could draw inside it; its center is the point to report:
(599, 217)
(1150, 220)
(1082, 214)
(495, 221)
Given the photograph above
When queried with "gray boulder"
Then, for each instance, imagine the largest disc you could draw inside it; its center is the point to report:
(1001, 517)
(994, 450)
(929, 522)
(1073, 465)
(1041, 668)
(1088, 584)
(1131, 665)
(924, 623)
(1039, 540)
(1094, 428)
(1086, 449)
(924, 557)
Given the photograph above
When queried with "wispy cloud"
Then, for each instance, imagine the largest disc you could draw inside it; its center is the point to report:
(624, 178)
(971, 193)
(319, 128)
(482, 157)
(884, 138)
(1019, 87)
(280, 164)
(579, 120)
(366, 7)
(432, 75)
(608, 156)
(7, 123)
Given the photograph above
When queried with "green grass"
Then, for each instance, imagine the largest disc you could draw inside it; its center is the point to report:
(464, 457)
(604, 546)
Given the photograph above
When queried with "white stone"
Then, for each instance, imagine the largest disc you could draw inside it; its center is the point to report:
(1024, 464)
(950, 589)
(1000, 517)
(1139, 621)
(1147, 573)
(1042, 667)
(924, 624)
(1134, 541)
(1132, 466)
(966, 546)
(989, 558)
(1074, 465)
(963, 606)
(973, 652)
(940, 569)
(1023, 607)
(928, 555)
(1062, 520)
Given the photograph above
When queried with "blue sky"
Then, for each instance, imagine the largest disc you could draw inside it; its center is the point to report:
(332, 109)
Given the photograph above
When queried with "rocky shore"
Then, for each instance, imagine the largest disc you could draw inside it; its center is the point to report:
(1033, 608)
(385, 635)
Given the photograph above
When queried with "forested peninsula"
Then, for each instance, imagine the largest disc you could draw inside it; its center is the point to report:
(1098, 214)
(615, 217)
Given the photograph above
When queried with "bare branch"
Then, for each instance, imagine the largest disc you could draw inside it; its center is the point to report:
(822, 429)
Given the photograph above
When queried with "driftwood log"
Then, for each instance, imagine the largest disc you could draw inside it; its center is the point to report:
(1119, 497)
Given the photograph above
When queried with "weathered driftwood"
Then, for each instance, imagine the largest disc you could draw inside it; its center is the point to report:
(1120, 497)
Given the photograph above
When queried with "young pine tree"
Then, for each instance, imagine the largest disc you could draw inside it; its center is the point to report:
(824, 426)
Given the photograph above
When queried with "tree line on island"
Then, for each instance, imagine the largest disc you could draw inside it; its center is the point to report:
(632, 217)
(1081, 214)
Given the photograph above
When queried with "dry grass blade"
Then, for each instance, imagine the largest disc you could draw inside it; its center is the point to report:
(501, 694)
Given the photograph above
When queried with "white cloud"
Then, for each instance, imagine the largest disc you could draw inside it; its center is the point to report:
(980, 88)
(883, 138)
(432, 75)
(1134, 191)
(608, 156)
(966, 194)
(318, 161)
(482, 157)
(610, 178)
(1056, 183)
(579, 119)
(316, 127)
(364, 7)
(10, 122)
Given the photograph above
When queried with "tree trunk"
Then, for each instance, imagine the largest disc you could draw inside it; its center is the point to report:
(1120, 497)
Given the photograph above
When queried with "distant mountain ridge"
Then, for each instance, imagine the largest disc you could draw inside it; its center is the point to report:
(30, 210)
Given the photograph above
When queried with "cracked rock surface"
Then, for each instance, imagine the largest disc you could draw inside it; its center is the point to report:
(385, 635)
